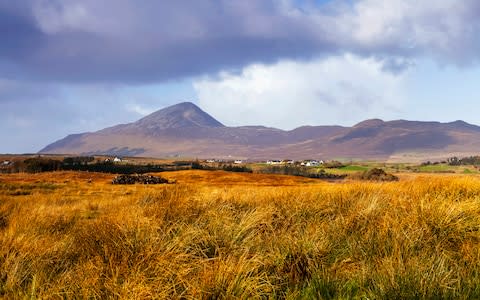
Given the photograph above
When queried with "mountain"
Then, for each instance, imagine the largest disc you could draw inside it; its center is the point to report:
(186, 130)
(185, 114)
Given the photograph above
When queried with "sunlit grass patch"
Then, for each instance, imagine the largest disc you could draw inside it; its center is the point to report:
(223, 235)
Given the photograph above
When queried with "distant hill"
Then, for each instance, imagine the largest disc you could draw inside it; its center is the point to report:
(186, 130)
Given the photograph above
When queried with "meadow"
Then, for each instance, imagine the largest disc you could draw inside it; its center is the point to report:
(215, 234)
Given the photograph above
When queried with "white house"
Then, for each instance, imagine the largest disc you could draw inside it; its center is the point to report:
(238, 161)
(117, 159)
(311, 163)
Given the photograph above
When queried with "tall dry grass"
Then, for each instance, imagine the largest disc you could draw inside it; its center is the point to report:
(417, 238)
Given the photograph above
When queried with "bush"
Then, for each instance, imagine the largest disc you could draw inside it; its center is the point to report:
(286, 170)
(472, 160)
(38, 164)
(232, 168)
(375, 174)
(109, 167)
(299, 171)
(334, 164)
(143, 179)
(79, 160)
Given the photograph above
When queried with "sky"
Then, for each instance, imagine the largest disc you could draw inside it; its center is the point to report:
(71, 66)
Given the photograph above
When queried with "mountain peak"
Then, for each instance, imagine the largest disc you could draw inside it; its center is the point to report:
(459, 124)
(370, 123)
(184, 114)
(183, 105)
(186, 130)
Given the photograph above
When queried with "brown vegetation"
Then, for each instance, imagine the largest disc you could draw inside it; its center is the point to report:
(374, 174)
(138, 178)
(227, 235)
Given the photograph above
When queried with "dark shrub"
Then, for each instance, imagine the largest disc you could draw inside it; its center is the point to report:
(143, 179)
(233, 168)
(38, 164)
(375, 174)
(299, 171)
(334, 164)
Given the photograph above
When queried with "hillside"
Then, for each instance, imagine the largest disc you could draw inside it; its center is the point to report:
(186, 130)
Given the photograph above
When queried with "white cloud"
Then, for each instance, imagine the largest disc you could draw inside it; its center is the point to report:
(444, 29)
(151, 41)
(138, 109)
(336, 90)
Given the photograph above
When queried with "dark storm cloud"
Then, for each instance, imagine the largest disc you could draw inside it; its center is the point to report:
(132, 41)
(148, 41)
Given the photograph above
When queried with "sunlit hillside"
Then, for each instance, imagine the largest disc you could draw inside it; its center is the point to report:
(214, 234)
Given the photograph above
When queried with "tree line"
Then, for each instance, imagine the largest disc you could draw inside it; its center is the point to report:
(83, 163)
(471, 160)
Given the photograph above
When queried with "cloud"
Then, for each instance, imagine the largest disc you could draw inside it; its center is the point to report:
(128, 41)
(138, 109)
(342, 89)
(150, 41)
(445, 30)
(274, 62)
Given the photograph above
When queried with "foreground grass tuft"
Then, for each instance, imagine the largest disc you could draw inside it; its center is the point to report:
(417, 238)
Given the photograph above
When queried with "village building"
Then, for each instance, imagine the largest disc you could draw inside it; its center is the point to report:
(311, 163)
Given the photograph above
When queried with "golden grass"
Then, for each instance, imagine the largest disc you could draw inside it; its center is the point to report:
(225, 235)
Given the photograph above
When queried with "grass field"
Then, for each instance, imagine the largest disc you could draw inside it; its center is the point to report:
(348, 169)
(235, 235)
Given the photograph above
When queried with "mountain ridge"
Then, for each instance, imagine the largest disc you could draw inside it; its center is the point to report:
(184, 129)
